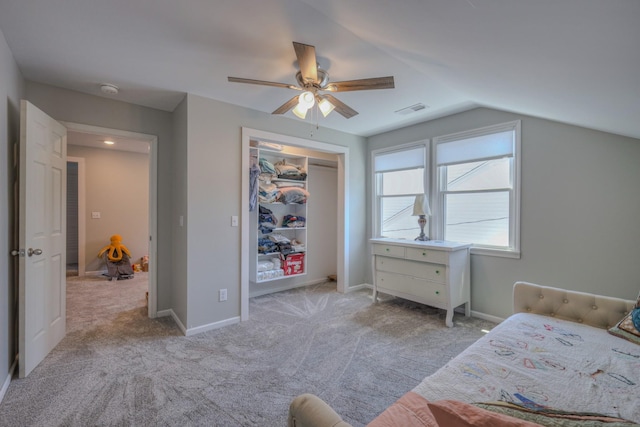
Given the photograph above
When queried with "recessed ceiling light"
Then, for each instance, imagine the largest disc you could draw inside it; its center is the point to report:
(109, 89)
(109, 142)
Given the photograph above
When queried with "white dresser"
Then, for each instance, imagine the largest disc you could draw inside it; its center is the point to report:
(435, 273)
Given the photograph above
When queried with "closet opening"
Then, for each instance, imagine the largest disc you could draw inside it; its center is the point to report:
(293, 217)
(293, 220)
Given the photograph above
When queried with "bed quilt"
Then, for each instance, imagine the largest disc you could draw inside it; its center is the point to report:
(542, 363)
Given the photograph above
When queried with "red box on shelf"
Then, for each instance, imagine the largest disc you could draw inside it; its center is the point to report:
(293, 264)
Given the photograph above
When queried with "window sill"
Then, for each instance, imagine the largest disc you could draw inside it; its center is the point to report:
(502, 253)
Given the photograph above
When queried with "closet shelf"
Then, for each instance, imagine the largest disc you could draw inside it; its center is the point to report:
(280, 203)
(281, 277)
(285, 229)
(278, 253)
(289, 180)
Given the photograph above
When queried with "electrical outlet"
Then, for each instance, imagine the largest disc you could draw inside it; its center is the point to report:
(95, 215)
(222, 295)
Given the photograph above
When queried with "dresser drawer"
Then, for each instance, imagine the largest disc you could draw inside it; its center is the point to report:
(389, 250)
(422, 270)
(418, 254)
(424, 291)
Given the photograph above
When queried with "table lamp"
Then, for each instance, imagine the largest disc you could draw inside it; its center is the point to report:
(421, 209)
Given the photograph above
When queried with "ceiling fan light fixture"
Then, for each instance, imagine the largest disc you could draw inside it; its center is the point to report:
(300, 111)
(325, 106)
(305, 101)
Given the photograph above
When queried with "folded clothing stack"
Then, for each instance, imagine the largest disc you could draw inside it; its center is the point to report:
(267, 221)
(293, 221)
(270, 269)
(286, 170)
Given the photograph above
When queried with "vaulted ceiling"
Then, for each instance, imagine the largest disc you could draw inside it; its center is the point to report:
(574, 61)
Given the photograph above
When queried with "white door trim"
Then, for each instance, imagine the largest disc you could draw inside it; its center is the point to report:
(82, 222)
(343, 206)
(153, 198)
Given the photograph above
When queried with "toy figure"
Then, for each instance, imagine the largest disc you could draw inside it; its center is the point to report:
(116, 249)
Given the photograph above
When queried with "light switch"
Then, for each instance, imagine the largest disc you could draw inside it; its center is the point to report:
(95, 215)
(234, 221)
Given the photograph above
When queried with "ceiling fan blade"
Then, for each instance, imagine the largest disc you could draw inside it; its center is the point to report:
(361, 84)
(342, 108)
(286, 106)
(307, 61)
(262, 82)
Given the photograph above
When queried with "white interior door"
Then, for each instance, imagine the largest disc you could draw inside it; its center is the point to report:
(42, 236)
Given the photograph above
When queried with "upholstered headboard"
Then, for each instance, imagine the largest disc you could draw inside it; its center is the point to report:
(591, 309)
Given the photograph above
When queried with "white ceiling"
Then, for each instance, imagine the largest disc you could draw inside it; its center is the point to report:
(574, 61)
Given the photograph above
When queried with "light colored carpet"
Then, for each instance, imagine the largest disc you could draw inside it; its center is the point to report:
(116, 367)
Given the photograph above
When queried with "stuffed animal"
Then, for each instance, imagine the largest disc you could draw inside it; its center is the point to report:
(116, 249)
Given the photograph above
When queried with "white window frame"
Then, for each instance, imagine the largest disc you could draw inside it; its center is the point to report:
(376, 227)
(438, 220)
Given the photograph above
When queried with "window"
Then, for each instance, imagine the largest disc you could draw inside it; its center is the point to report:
(399, 176)
(478, 188)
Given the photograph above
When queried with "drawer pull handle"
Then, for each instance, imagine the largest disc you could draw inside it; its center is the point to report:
(387, 249)
(424, 254)
(437, 271)
(437, 292)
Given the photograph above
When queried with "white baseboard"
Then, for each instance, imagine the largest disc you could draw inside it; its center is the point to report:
(358, 287)
(488, 317)
(198, 329)
(94, 272)
(212, 326)
(7, 381)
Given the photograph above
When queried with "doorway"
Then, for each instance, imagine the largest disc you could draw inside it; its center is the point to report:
(116, 195)
(75, 216)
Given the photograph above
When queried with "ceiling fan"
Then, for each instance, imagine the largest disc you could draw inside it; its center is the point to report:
(313, 81)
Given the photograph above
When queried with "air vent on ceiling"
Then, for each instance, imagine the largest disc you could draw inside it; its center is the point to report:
(411, 109)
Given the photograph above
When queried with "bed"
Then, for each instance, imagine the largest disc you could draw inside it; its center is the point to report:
(554, 362)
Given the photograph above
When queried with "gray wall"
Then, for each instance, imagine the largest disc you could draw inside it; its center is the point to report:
(11, 91)
(179, 272)
(117, 186)
(76, 107)
(213, 173)
(579, 214)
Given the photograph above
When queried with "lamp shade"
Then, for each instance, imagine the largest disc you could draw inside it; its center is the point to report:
(325, 106)
(305, 101)
(421, 206)
(300, 111)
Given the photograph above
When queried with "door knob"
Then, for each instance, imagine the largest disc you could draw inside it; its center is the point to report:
(17, 252)
(32, 252)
